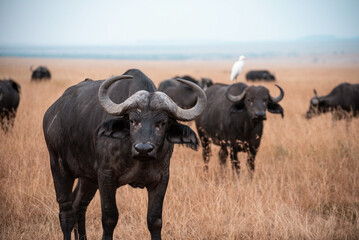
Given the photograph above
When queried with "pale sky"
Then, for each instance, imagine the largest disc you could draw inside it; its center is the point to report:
(111, 22)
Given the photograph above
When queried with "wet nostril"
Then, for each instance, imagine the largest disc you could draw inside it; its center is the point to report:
(144, 147)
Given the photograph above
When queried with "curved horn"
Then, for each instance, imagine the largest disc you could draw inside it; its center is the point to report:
(114, 108)
(165, 102)
(237, 98)
(280, 97)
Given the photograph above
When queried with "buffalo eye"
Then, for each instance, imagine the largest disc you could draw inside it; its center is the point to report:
(134, 122)
(160, 125)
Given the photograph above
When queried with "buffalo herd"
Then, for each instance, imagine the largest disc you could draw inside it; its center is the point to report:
(10, 96)
(122, 130)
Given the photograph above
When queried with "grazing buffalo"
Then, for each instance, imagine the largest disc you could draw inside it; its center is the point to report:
(111, 133)
(40, 73)
(260, 75)
(233, 119)
(183, 95)
(9, 101)
(342, 101)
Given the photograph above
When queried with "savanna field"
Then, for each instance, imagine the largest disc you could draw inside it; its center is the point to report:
(305, 186)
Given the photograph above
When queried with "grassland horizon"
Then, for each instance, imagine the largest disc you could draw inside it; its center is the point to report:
(305, 186)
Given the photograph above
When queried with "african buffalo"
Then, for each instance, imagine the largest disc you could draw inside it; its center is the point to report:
(233, 119)
(40, 73)
(260, 75)
(109, 134)
(9, 101)
(183, 95)
(341, 101)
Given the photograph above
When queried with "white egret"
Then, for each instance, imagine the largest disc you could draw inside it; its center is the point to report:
(237, 67)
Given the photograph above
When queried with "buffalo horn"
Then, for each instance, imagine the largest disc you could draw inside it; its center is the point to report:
(237, 98)
(114, 108)
(165, 102)
(280, 97)
(181, 114)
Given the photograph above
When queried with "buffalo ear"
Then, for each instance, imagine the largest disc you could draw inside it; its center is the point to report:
(275, 108)
(237, 107)
(117, 128)
(182, 134)
(15, 85)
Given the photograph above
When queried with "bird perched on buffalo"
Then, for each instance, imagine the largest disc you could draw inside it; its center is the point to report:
(237, 67)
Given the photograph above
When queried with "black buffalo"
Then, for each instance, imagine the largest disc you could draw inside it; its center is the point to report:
(183, 95)
(9, 101)
(260, 75)
(40, 73)
(233, 119)
(109, 134)
(342, 101)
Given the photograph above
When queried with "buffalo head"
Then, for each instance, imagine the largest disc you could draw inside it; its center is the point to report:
(317, 106)
(255, 100)
(148, 118)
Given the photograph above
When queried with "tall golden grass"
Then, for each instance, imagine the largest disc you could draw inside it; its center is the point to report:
(305, 186)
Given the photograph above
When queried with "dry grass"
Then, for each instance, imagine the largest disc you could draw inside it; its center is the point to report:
(306, 184)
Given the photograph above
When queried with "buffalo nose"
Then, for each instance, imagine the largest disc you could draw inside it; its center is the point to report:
(261, 114)
(144, 148)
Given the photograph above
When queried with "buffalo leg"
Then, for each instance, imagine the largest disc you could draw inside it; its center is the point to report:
(84, 192)
(251, 157)
(107, 187)
(234, 160)
(223, 154)
(206, 148)
(7, 120)
(63, 182)
(206, 151)
(250, 160)
(154, 211)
